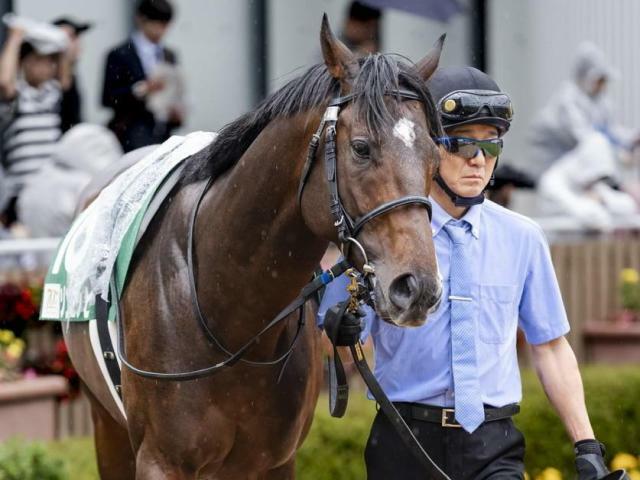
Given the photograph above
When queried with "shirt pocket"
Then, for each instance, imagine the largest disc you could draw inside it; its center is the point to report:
(497, 312)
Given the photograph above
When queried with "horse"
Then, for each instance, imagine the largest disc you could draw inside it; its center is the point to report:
(257, 237)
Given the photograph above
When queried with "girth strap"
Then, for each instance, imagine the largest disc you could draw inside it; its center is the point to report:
(108, 350)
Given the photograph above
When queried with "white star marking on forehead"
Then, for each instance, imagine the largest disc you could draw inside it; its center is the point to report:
(403, 130)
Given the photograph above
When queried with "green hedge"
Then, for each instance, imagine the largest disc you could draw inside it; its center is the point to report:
(20, 461)
(613, 402)
(334, 448)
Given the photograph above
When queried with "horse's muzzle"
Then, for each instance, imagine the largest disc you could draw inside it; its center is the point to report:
(413, 297)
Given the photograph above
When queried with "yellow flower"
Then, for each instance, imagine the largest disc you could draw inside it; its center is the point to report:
(624, 460)
(16, 348)
(629, 275)
(550, 473)
(634, 474)
(526, 476)
(6, 336)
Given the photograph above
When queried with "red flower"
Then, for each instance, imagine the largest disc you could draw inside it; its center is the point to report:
(61, 348)
(57, 365)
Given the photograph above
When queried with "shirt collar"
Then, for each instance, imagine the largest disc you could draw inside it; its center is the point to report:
(143, 43)
(441, 217)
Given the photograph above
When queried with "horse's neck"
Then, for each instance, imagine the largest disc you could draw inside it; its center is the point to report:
(252, 236)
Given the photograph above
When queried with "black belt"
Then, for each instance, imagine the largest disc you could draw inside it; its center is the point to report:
(446, 416)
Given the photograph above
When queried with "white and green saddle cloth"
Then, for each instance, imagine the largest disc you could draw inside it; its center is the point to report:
(104, 236)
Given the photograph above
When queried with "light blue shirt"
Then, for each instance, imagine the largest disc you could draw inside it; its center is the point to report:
(150, 53)
(513, 285)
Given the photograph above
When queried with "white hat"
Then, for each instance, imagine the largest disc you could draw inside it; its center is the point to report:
(46, 39)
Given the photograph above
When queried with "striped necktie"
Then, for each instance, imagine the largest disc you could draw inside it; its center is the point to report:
(469, 410)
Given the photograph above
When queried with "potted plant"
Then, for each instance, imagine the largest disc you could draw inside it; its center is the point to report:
(28, 402)
(617, 340)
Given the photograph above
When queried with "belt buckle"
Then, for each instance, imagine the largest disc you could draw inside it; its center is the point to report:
(445, 419)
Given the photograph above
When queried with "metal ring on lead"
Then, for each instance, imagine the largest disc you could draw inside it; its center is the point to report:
(368, 269)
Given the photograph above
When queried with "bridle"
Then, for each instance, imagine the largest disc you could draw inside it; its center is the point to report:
(348, 228)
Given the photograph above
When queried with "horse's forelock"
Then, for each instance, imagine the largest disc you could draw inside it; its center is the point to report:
(379, 74)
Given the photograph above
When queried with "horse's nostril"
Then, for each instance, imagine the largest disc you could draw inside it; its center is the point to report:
(404, 290)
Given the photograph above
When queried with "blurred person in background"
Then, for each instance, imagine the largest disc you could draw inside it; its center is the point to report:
(71, 106)
(361, 31)
(47, 204)
(138, 75)
(33, 73)
(577, 147)
(506, 180)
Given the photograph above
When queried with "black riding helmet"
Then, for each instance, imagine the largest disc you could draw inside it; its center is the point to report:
(465, 95)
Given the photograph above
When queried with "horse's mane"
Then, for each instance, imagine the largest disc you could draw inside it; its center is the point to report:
(379, 73)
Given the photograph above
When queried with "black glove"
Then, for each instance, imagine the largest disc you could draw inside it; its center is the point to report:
(590, 460)
(343, 328)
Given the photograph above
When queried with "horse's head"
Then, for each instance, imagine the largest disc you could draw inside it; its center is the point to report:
(385, 153)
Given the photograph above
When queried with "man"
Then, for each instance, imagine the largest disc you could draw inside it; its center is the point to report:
(131, 79)
(455, 380)
(31, 79)
(71, 106)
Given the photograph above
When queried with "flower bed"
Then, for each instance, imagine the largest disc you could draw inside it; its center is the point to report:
(30, 348)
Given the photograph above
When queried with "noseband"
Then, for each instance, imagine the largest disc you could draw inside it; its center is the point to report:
(348, 228)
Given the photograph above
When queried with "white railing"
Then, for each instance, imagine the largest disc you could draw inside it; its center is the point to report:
(18, 246)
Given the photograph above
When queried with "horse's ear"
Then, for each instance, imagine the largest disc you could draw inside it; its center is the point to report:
(429, 63)
(340, 61)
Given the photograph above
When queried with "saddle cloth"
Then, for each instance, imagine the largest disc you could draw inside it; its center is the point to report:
(104, 236)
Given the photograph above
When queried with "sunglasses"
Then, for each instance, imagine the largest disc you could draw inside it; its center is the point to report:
(468, 148)
(465, 104)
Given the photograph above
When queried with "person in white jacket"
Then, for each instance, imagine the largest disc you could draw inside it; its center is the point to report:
(48, 202)
(576, 144)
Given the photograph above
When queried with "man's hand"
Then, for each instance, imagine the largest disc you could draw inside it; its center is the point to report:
(590, 460)
(16, 33)
(155, 85)
(144, 87)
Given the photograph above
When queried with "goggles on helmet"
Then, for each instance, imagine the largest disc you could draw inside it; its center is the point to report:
(468, 148)
(467, 104)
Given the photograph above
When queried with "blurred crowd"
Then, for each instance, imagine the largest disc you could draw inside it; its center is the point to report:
(581, 152)
(49, 155)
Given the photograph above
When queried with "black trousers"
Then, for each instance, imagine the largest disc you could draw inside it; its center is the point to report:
(494, 451)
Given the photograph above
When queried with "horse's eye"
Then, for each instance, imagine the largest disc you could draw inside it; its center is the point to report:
(360, 148)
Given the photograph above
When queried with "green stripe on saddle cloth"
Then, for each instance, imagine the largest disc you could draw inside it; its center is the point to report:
(74, 277)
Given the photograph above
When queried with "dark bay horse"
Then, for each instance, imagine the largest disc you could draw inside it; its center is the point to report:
(255, 246)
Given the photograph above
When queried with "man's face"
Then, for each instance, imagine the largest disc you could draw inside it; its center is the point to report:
(154, 30)
(468, 178)
(39, 68)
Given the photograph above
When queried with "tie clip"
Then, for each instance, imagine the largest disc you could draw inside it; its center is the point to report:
(461, 299)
